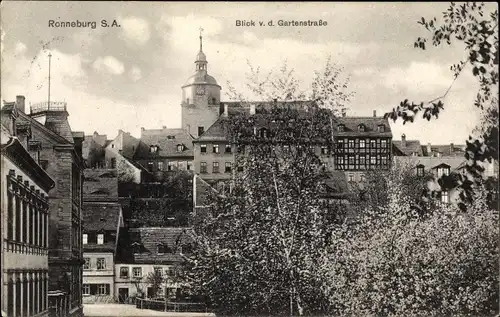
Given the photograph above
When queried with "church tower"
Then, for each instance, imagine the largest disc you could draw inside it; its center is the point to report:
(200, 97)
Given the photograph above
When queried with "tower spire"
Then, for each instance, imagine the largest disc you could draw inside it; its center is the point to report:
(201, 40)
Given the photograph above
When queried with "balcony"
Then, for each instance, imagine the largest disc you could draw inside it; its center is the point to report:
(46, 106)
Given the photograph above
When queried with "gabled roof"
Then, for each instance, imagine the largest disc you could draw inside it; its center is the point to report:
(411, 146)
(147, 240)
(96, 185)
(101, 216)
(215, 132)
(167, 141)
(431, 163)
(371, 126)
(35, 125)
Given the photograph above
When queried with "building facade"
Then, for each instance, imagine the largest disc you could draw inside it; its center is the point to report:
(145, 250)
(103, 220)
(59, 150)
(24, 228)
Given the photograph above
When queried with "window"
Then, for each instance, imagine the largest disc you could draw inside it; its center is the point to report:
(189, 165)
(101, 263)
(373, 160)
(113, 162)
(203, 148)
(361, 128)
(372, 144)
(286, 148)
(228, 148)
(324, 150)
(86, 289)
(445, 197)
(341, 128)
(172, 166)
(381, 128)
(187, 101)
(203, 167)
(351, 144)
(201, 130)
(180, 147)
(136, 247)
(214, 101)
(443, 171)
(361, 144)
(363, 177)
(362, 160)
(150, 166)
(160, 166)
(215, 167)
(420, 170)
(124, 272)
(158, 270)
(137, 271)
(86, 264)
(215, 148)
(85, 238)
(351, 177)
(100, 238)
(163, 249)
(153, 148)
(383, 143)
(263, 133)
(102, 289)
(227, 168)
(112, 146)
(383, 159)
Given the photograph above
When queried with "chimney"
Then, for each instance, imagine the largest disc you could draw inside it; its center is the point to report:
(343, 114)
(164, 127)
(374, 113)
(403, 140)
(452, 147)
(252, 109)
(20, 103)
(429, 149)
(275, 101)
(225, 113)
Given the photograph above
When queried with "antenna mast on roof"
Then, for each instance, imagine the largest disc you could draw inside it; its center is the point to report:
(48, 99)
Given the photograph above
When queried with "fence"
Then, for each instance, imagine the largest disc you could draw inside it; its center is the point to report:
(167, 306)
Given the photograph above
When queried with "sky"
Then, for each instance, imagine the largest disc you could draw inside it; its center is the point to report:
(130, 76)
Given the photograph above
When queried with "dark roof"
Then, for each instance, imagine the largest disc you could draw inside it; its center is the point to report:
(167, 141)
(100, 184)
(236, 107)
(147, 240)
(411, 146)
(371, 124)
(216, 131)
(101, 216)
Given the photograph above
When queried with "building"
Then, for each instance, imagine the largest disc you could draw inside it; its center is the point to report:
(144, 250)
(103, 220)
(25, 217)
(163, 151)
(434, 162)
(59, 150)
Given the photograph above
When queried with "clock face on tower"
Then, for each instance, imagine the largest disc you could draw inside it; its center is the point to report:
(200, 90)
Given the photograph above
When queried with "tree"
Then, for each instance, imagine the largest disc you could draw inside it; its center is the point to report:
(396, 263)
(472, 25)
(125, 172)
(155, 279)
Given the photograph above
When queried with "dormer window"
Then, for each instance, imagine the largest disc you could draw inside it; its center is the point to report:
(341, 128)
(381, 128)
(162, 249)
(153, 148)
(180, 147)
(443, 170)
(100, 238)
(136, 247)
(171, 137)
(361, 128)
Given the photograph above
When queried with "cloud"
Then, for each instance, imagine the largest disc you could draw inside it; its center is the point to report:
(135, 30)
(20, 48)
(135, 73)
(109, 64)
(425, 77)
